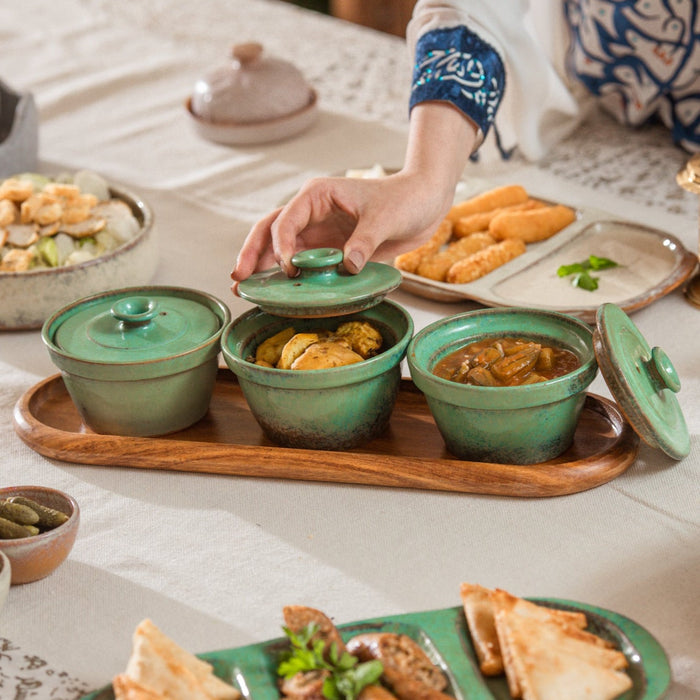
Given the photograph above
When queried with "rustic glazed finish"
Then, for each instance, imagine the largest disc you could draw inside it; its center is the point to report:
(29, 298)
(139, 360)
(327, 409)
(517, 425)
(34, 558)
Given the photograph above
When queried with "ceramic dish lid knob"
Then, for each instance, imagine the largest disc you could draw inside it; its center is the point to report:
(251, 88)
(642, 380)
(323, 287)
(135, 325)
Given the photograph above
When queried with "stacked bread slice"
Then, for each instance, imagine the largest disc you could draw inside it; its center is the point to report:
(159, 669)
(545, 653)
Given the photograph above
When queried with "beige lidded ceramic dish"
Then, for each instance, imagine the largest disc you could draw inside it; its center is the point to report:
(253, 99)
(30, 297)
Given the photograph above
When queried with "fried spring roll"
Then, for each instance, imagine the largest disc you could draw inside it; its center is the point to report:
(408, 262)
(435, 266)
(532, 226)
(486, 201)
(484, 261)
(480, 221)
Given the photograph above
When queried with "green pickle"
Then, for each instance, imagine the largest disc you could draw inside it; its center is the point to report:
(49, 518)
(12, 531)
(17, 513)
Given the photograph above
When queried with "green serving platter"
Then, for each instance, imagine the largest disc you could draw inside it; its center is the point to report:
(444, 636)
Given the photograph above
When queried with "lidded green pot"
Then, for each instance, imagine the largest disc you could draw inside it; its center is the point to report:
(323, 409)
(139, 361)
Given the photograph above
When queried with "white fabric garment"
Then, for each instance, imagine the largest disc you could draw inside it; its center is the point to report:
(642, 65)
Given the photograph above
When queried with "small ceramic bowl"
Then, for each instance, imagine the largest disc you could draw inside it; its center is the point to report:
(139, 361)
(33, 558)
(5, 577)
(324, 409)
(512, 425)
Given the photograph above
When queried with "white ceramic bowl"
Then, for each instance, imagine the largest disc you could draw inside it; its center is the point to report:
(29, 298)
(5, 576)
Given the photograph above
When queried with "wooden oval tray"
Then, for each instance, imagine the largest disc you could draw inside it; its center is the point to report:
(410, 454)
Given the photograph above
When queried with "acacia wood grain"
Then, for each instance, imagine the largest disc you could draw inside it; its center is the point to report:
(410, 454)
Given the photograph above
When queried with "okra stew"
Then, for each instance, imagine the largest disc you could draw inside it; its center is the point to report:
(506, 361)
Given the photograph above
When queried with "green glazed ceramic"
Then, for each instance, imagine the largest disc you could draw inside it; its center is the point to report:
(324, 409)
(139, 361)
(512, 425)
(322, 288)
(643, 381)
(444, 636)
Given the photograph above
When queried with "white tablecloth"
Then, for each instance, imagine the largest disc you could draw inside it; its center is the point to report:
(212, 560)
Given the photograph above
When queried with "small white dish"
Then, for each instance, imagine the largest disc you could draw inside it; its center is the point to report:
(5, 576)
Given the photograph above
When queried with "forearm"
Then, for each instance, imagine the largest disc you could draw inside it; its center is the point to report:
(440, 141)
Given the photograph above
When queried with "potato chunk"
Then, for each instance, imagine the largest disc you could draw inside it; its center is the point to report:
(363, 337)
(325, 354)
(270, 350)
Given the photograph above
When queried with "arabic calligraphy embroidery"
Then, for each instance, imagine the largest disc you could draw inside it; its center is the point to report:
(468, 73)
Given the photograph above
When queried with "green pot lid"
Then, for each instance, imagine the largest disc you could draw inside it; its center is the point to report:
(135, 325)
(642, 380)
(322, 288)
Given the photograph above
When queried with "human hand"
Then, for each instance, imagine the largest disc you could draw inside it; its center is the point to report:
(365, 218)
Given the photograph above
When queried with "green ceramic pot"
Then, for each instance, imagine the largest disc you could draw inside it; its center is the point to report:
(139, 361)
(512, 425)
(324, 409)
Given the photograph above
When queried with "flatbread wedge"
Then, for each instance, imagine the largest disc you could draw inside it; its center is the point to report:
(554, 662)
(159, 665)
(478, 604)
(478, 611)
(126, 688)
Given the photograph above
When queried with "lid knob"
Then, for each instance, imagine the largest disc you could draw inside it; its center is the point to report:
(318, 262)
(135, 311)
(662, 372)
(246, 53)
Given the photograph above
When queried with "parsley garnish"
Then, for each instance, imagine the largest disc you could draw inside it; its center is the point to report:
(347, 677)
(582, 276)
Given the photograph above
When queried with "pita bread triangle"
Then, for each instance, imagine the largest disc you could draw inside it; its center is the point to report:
(553, 662)
(478, 610)
(161, 666)
(126, 688)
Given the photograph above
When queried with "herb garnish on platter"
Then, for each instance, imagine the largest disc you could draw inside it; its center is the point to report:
(346, 676)
(581, 271)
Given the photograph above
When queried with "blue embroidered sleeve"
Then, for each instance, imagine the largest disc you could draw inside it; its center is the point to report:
(458, 66)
